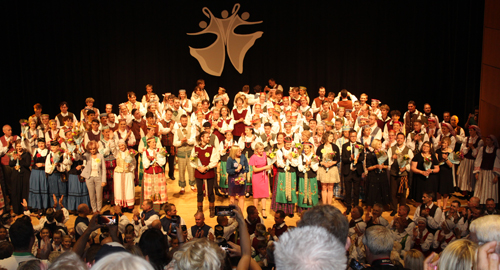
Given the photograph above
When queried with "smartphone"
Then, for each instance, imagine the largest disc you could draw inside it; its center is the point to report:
(184, 228)
(107, 220)
(356, 265)
(224, 211)
(174, 224)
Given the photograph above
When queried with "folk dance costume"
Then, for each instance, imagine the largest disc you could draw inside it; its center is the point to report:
(225, 147)
(414, 145)
(38, 187)
(308, 185)
(77, 187)
(54, 168)
(399, 179)
(284, 190)
(487, 165)
(124, 192)
(447, 238)
(247, 146)
(20, 180)
(465, 176)
(167, 139)
(208, 157)
(423, 242)
(110, 162)
(155, 184)
(184, 153)
(30, 142)
(143, 145)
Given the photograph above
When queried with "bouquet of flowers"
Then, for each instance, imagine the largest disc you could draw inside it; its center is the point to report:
(381, 157)
(240, 180)
(196, 159)
(77, 136)
(456, 157)
(357, 149)
(271, 158)
(298, 146)
(163, 152)
(57, 155)
(427, 164)
(295, 154)
(11, 155)
(314, 158)
(130, 157)
(328, 155)
(402, 160)
(24, 127)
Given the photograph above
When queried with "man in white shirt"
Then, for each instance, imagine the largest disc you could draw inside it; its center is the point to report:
(399, 172)
(429, 211)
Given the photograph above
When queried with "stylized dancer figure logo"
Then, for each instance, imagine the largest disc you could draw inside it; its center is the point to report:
(212, 58)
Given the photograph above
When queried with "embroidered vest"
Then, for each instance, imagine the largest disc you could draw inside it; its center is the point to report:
(136, 129)
(153, 168)
(5, 158)
(469, 153)
(184, 135)
(204, 161)
(239, 128)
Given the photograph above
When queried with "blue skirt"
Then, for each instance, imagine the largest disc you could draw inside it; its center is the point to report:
(77, 193)
(39, 195)
(58, 188)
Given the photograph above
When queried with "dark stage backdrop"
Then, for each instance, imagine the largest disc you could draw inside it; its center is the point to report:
(427, 51)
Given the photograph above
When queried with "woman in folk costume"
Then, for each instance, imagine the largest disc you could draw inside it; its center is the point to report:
(31, 136)
(329, 155)
(308, 185)
(225, 147)
(204, 159)
(53, 133)
(247, 145)
(226, 118)
(465, 176)
(39, 194)
(78, 192)
(487, 170)
(445, 131)
(123, 176)
(54, 168)
(110, 162)
(284, 196)
(124, 133)
(185, 102)
(199, 121)
(239, 114)
(237, 170)
(143, 145)
(20, 179)
(155, 183)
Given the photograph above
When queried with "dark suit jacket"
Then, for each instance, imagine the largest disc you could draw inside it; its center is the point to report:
(346, 159)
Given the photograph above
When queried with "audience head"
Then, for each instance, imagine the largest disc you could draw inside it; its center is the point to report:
(330, 218)
(83, 209)
(485, 229)
(414, 260)
(357, 212)
(6, 250)
(459, 255)
(68, 261)
(154, 246)
(252, 214)
(22, 235)
(309, 247)
(122, 260)
(378, 241)
(199, 219)
(199, 254)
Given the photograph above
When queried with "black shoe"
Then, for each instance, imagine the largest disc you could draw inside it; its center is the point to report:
(171, 177)
(291, 215)
(393, 213)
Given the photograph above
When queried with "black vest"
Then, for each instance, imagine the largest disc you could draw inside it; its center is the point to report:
(432, 212)
(205, 230)
(85, 221)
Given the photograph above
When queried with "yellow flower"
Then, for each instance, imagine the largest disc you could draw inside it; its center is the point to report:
(98, 160)
(207, 154)
(348, 148)
(324, 151)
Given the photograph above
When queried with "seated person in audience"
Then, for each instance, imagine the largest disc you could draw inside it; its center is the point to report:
(279, 227)
(422, 239)
(430, 211)
(253, 218)
(357, 248)
(57, 241)
(40, 239)
(356, 218)
(403, 212)
(376, 217)
(444, 237)
(490, 207)
(200, 230)
(170, 211)
(228, 224)
(458, 219)
(6, 250)
(485, 229)
(66, 243)
(260, 235)
(401, 233)
(82, 222)
(144, 220)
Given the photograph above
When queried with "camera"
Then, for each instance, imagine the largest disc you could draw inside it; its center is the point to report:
(107, 219)
(224, 211)
(356, 265)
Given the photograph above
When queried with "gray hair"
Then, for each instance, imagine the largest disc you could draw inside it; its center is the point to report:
(459, 255)
(328, 217)
(485, 229)
(122, 260)
(379, 240)
(309, 247)
(414, 259)
(68, 260)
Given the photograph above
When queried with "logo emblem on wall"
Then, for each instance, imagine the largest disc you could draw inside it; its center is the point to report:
(212, 58)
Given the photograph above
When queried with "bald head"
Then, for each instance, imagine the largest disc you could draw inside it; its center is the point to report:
(156, 224)
(7, 130)
(474, 202)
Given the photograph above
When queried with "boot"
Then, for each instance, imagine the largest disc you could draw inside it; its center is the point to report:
(200, 207)
(212, 210)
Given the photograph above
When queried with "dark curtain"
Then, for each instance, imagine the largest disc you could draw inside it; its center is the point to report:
(395, 51)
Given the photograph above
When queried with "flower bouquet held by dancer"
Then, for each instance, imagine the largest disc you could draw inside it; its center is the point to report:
(53, 168)
(328, 174)
(155, 185)
(124, 174)
(237, 169)
(39, 194)
(204, 158)
(308, 185)
(20, 163)
(284, 193)
(94, 173)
